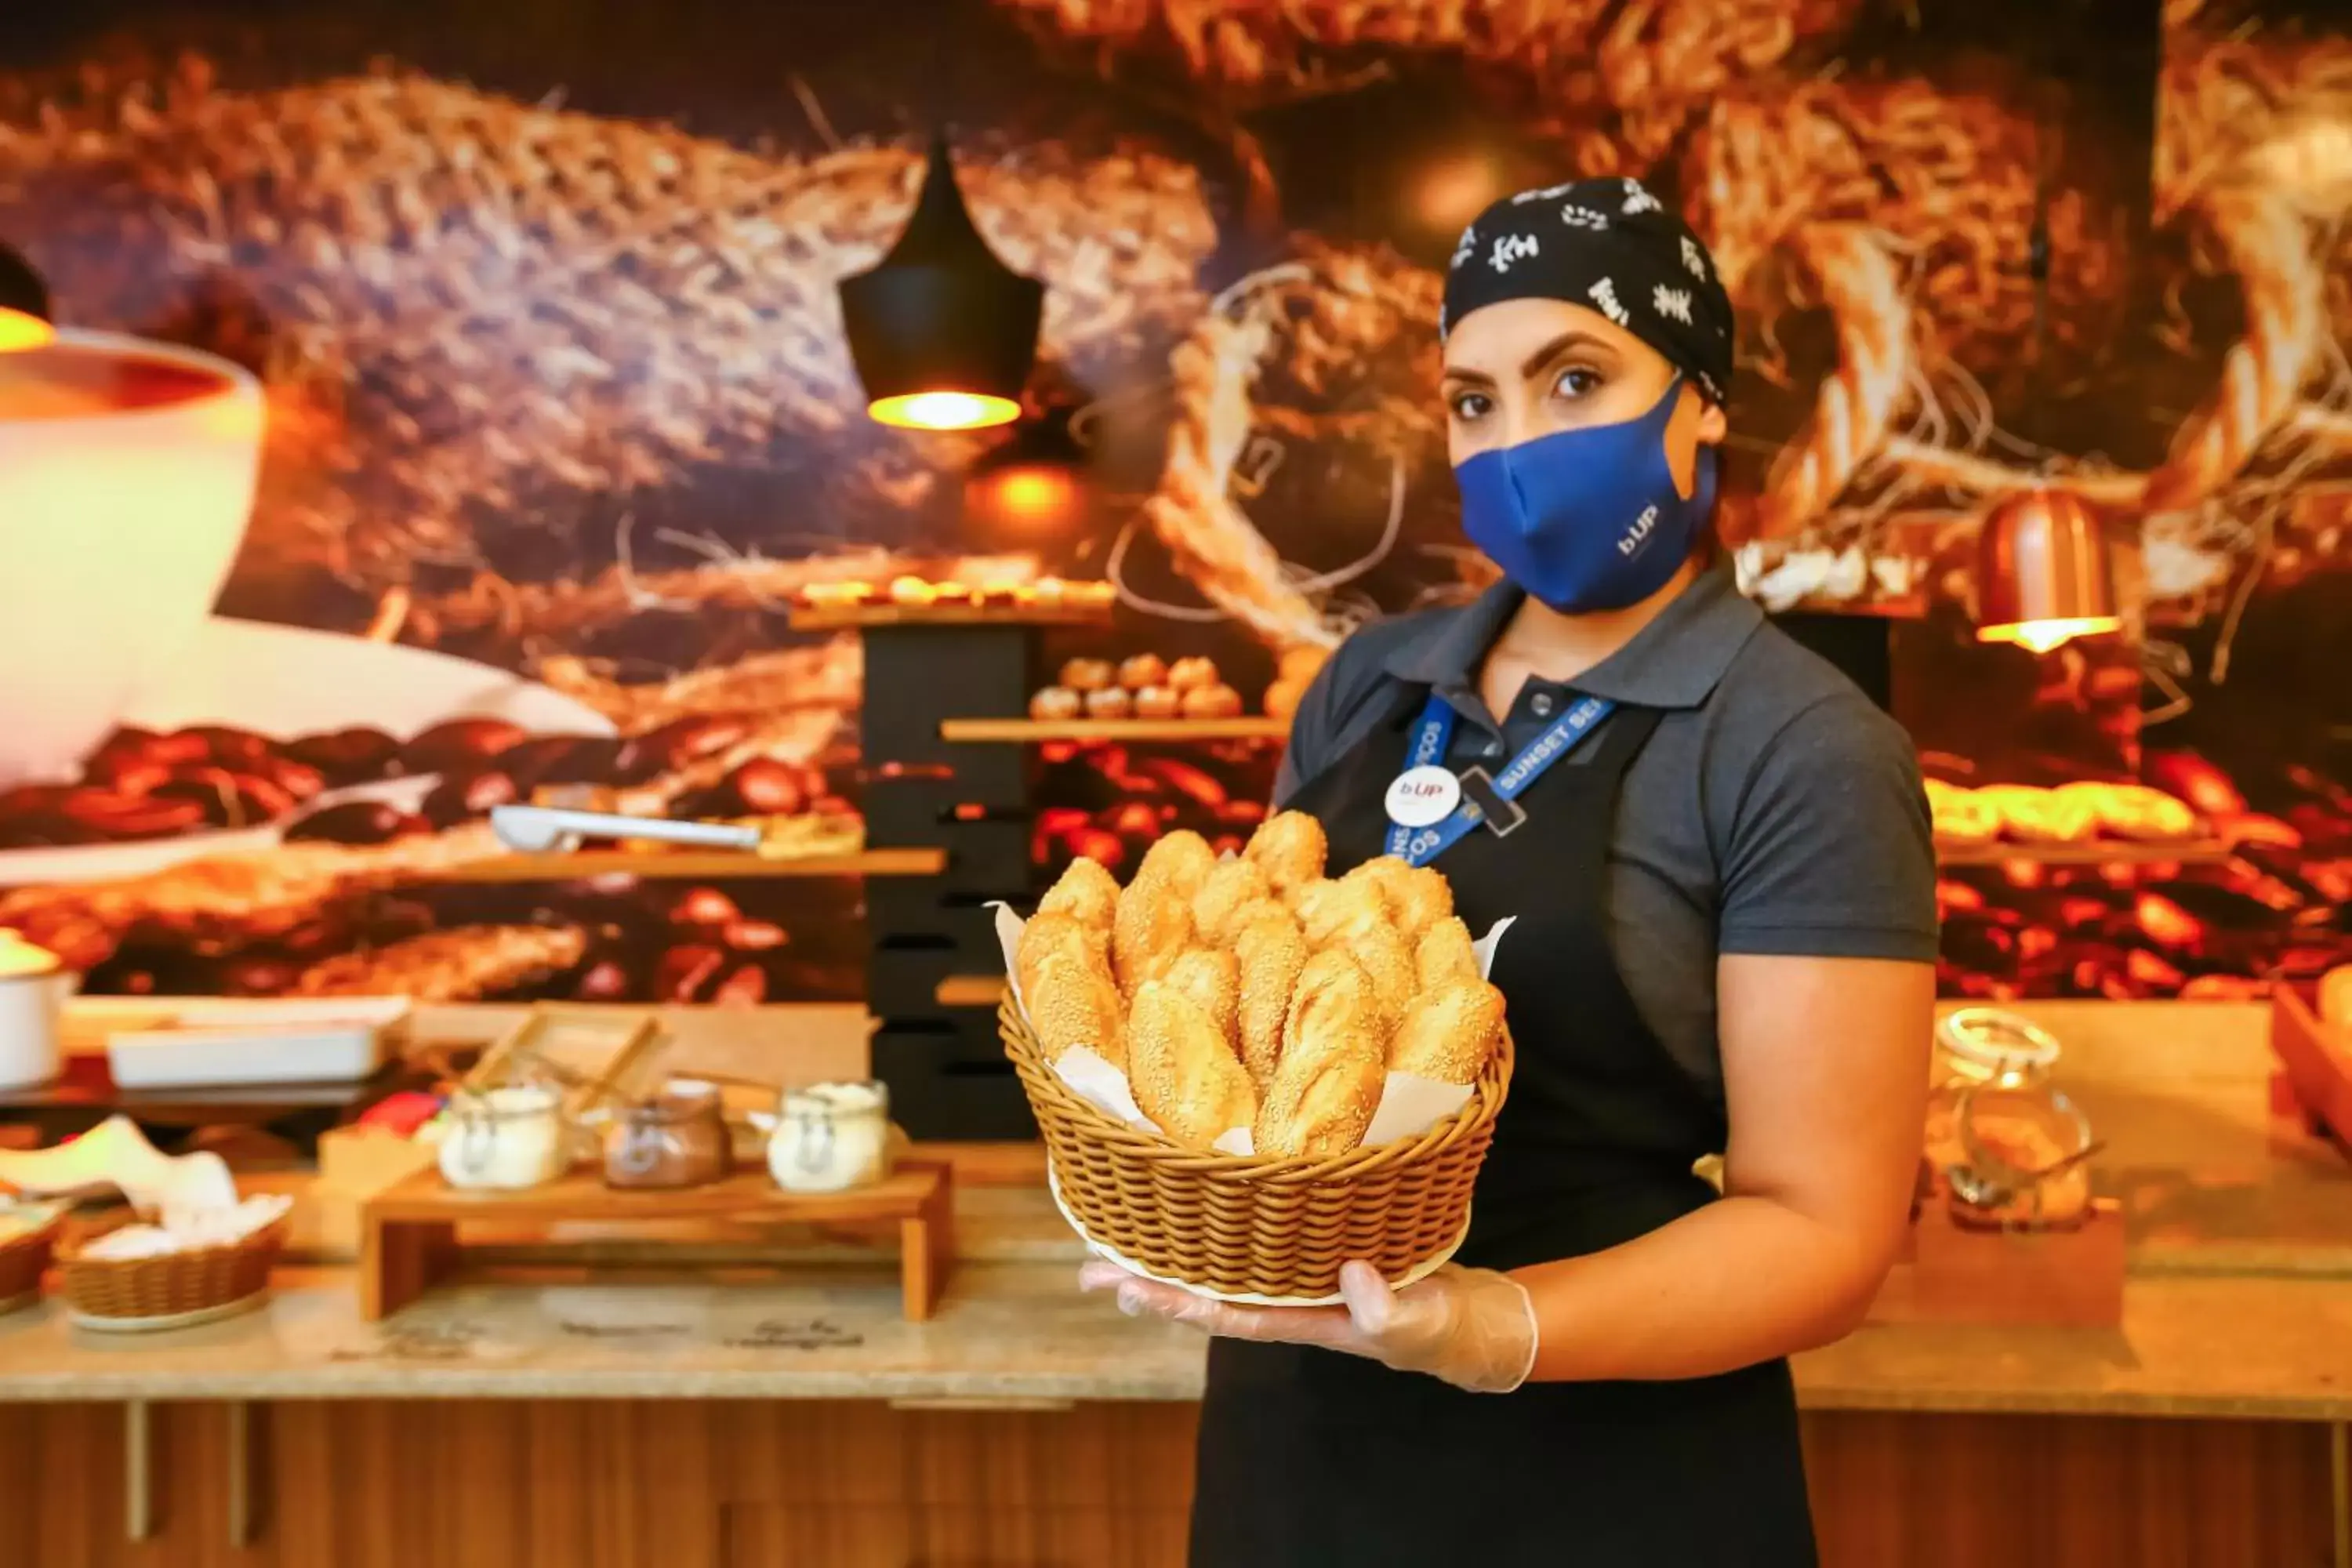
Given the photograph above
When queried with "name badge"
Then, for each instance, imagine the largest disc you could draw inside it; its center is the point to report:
(1424, 796)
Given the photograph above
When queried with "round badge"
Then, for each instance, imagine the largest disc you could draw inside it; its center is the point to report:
(1424, 796)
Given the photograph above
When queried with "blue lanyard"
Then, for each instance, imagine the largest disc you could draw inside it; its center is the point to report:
(1433, 732)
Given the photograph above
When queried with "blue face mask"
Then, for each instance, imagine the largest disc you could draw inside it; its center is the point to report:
(1588, 519)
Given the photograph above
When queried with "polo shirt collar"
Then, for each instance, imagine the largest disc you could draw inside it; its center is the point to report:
(1675, 661)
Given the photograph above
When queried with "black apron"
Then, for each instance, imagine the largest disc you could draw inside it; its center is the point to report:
(1308, 1457)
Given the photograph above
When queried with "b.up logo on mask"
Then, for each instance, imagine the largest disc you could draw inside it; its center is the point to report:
(1640, 530)
(1510, 248)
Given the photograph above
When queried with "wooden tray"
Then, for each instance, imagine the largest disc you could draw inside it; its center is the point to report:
(2317, 1061)
(409, 1238)
(1950, 1274)
(602, 1054)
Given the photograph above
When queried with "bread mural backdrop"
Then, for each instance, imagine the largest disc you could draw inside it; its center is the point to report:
(560, 420)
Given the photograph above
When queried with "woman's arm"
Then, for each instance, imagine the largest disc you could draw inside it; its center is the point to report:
(1825, 1073)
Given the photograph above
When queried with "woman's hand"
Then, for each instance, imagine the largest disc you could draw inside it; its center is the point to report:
(1469, 1327)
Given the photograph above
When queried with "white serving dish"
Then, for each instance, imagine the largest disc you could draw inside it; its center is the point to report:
(226, 1043)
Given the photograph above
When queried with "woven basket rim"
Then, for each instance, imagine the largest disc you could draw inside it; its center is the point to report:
(1254, 1170)
(271, 1235)
(43, 1234)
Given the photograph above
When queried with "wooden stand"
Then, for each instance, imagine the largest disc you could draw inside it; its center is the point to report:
(410, 1238)
(2315, 1063)
(1950, 1274)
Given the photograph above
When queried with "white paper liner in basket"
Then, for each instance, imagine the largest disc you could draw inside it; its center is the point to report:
(1420, 1271)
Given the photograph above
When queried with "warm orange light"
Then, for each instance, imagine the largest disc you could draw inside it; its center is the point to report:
(2043, 636)
(944, 410)
(1450, 194)
(1032, 495)
(21, 329)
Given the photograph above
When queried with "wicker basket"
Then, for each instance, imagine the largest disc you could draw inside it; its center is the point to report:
(173, 1283)
(1258, 1224)
(24, 1260)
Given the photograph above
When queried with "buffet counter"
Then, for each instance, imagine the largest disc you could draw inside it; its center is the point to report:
(1027, 1424)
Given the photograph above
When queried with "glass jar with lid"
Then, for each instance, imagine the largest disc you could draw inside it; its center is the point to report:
(676, 1138)
(2010, 1145)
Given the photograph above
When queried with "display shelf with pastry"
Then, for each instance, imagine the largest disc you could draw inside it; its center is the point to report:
(2085, 823)
(1142, 698)
(1245, 1071)
(916, 601)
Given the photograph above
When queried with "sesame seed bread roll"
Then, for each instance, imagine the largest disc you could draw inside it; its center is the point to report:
(1418, 897)
(1272, 954)
(1330, 913)
(1448, 1034)
(1184, 1078)
(1230, 891)
(1072, 1002)
(1152, 925)
(1212, 980)
(1057, 933)
(1086, 892)
(1182, 859)
(1289, 848)
(1445, 955)
(1328, 1084)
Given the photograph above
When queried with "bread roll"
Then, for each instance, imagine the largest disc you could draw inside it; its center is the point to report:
(1445, 955)
(1217, 701)
(1086, 890)
(1327, 1085)
(1332, 912)
(1110, 702)
(1288, 846)
(1157, 702)
(2135, 811)
(1194, 674)
(1055, 703)
(1963, 819)
(1057, 935)
(1183, 1076)
(1210, 979)
(1073, 1004)
(1387, 963)
(1182, 859)
(1232, 887)
(1448, 1034)
(1150, 928)
(1083, 675)
(1271, 954)
(1418, 896)
(1141, 671)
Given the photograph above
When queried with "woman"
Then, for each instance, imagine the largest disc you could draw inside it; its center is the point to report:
(1719, 856)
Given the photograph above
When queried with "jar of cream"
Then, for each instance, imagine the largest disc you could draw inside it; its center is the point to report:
(507, 1137)
(831, 1137)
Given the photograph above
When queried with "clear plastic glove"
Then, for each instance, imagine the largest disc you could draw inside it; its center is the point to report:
(1471, 1327)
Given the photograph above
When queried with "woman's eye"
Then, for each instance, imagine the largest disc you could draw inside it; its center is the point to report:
(1575, 382)
(1470, 406)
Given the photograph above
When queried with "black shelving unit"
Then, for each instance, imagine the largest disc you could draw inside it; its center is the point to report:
(945, 1067)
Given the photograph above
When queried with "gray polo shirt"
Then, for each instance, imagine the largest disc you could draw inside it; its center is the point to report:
(1775, 810)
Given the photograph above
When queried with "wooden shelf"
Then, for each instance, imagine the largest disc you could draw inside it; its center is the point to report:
(857, 617)
(2101, 852)
(657, 865)
(1029, 731)
(969, 991)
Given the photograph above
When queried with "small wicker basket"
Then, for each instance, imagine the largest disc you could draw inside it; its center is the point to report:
(173, 1283)
(1258, 1224)
(24, 1259)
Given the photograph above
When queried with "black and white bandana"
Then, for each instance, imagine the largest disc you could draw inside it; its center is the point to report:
(1609, 246)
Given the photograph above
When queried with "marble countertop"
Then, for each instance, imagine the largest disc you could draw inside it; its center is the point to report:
(2240, 1301)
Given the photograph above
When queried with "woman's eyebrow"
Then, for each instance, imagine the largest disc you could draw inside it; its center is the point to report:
(1464, 373)
(1573, 338)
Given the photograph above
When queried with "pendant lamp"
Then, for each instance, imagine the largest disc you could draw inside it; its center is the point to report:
(943, 332)
(2044, 575)
(25, 311)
